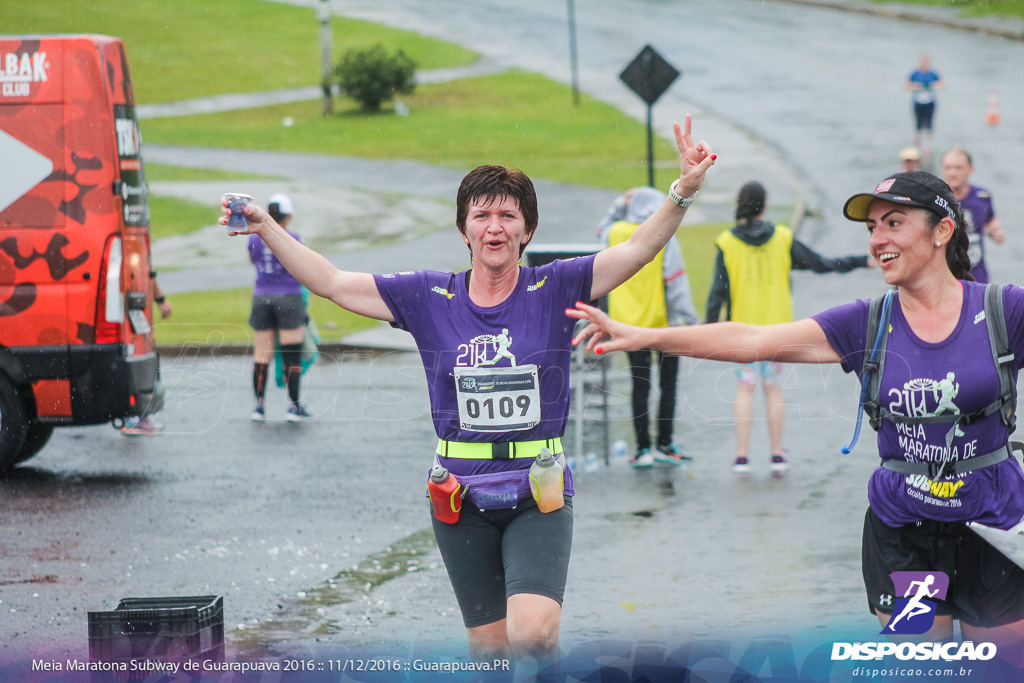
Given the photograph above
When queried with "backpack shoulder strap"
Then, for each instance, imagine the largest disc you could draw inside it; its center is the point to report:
(874, 312)
(879, 313)
(875, 341)
(1002, 355)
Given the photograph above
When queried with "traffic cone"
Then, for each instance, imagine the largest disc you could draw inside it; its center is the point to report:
(992, 109)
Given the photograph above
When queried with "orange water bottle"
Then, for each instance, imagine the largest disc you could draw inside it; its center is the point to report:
(546, 483)
(444, 494)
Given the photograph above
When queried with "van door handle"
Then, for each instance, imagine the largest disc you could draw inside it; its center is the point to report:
(136, 301)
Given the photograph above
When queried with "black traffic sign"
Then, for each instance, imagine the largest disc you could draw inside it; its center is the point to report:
(649, 75)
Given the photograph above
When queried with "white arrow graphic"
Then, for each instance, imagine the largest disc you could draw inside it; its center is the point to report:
(21, 169)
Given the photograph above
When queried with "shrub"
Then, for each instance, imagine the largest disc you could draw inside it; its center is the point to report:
(372, 77)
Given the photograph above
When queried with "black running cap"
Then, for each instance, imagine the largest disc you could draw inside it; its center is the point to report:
(898, 190)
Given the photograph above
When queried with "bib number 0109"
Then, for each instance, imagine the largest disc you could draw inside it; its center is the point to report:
(506, 407)
(498, 399)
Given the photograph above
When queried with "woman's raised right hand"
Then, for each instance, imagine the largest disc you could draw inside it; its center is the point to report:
(256, 217)
(694, 159)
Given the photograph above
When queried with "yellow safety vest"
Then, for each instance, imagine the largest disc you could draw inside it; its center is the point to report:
(759, 277)
(640, 300)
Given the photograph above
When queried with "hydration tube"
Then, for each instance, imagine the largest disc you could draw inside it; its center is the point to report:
(865, 380)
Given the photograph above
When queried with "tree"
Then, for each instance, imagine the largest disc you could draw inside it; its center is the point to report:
(372, 77)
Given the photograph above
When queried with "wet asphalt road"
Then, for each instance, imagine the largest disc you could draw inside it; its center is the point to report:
(317, 537)
(316, 534)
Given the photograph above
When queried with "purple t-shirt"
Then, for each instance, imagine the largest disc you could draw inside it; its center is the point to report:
(469, 350)
(271, 276)
(922, 378)
(978, 211)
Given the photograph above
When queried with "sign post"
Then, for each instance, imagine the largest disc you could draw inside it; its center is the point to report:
(326, 56)
(649, 76)
(573, 64)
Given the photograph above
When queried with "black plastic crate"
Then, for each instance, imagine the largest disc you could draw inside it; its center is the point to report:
(164, 629)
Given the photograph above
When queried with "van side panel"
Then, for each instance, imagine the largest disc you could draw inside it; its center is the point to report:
(32, 191)
(53, 231)
(66, 122)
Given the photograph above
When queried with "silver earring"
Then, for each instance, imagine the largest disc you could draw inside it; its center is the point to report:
(938, 244)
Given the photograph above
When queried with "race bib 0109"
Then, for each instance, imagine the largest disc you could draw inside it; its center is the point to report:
(498, 399)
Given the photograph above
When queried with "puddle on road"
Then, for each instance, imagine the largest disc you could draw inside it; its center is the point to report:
(307, 616)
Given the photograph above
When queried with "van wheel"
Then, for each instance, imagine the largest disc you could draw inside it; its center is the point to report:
(13, 424)
(35, 438)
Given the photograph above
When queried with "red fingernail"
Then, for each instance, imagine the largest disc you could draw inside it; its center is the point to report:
(598, 350)
(713, 157)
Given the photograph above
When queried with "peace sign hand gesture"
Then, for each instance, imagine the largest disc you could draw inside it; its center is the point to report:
(694, 160)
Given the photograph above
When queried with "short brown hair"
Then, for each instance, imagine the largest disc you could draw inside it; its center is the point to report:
(491, 182)
(957, 149)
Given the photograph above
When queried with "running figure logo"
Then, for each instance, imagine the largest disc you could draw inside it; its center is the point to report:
(943, 392)
(499, 343)
(947, 389)
(914, 613)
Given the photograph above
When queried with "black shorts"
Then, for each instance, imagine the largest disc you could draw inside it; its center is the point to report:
(923, 114)
(985, 587)
(496, 554)
(277, 312)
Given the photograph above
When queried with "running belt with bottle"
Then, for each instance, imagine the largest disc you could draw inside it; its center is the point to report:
(879, 313)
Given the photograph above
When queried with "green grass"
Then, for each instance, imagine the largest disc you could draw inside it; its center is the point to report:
(178, 216)
(195, 48)
(515, 119)
(222, 316)
(975, 8)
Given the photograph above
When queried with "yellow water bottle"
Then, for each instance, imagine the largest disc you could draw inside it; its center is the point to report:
(546, 483)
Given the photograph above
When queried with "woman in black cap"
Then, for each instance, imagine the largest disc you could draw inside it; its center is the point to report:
(942, 413)
(752, 280)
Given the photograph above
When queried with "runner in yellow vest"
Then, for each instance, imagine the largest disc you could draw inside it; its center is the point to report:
(657, 296)
(752, 281)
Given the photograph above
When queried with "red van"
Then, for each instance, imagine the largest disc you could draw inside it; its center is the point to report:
(76, 345)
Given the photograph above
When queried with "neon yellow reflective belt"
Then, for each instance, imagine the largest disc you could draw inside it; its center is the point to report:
(503, 450)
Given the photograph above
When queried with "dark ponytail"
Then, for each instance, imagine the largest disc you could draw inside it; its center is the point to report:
(957, 258)
(750, 201)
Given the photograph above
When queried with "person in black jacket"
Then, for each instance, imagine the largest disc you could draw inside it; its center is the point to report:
(751, 280)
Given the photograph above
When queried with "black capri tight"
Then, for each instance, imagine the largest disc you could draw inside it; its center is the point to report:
(493, 555)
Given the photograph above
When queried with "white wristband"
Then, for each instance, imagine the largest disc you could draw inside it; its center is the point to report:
(681, 201)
